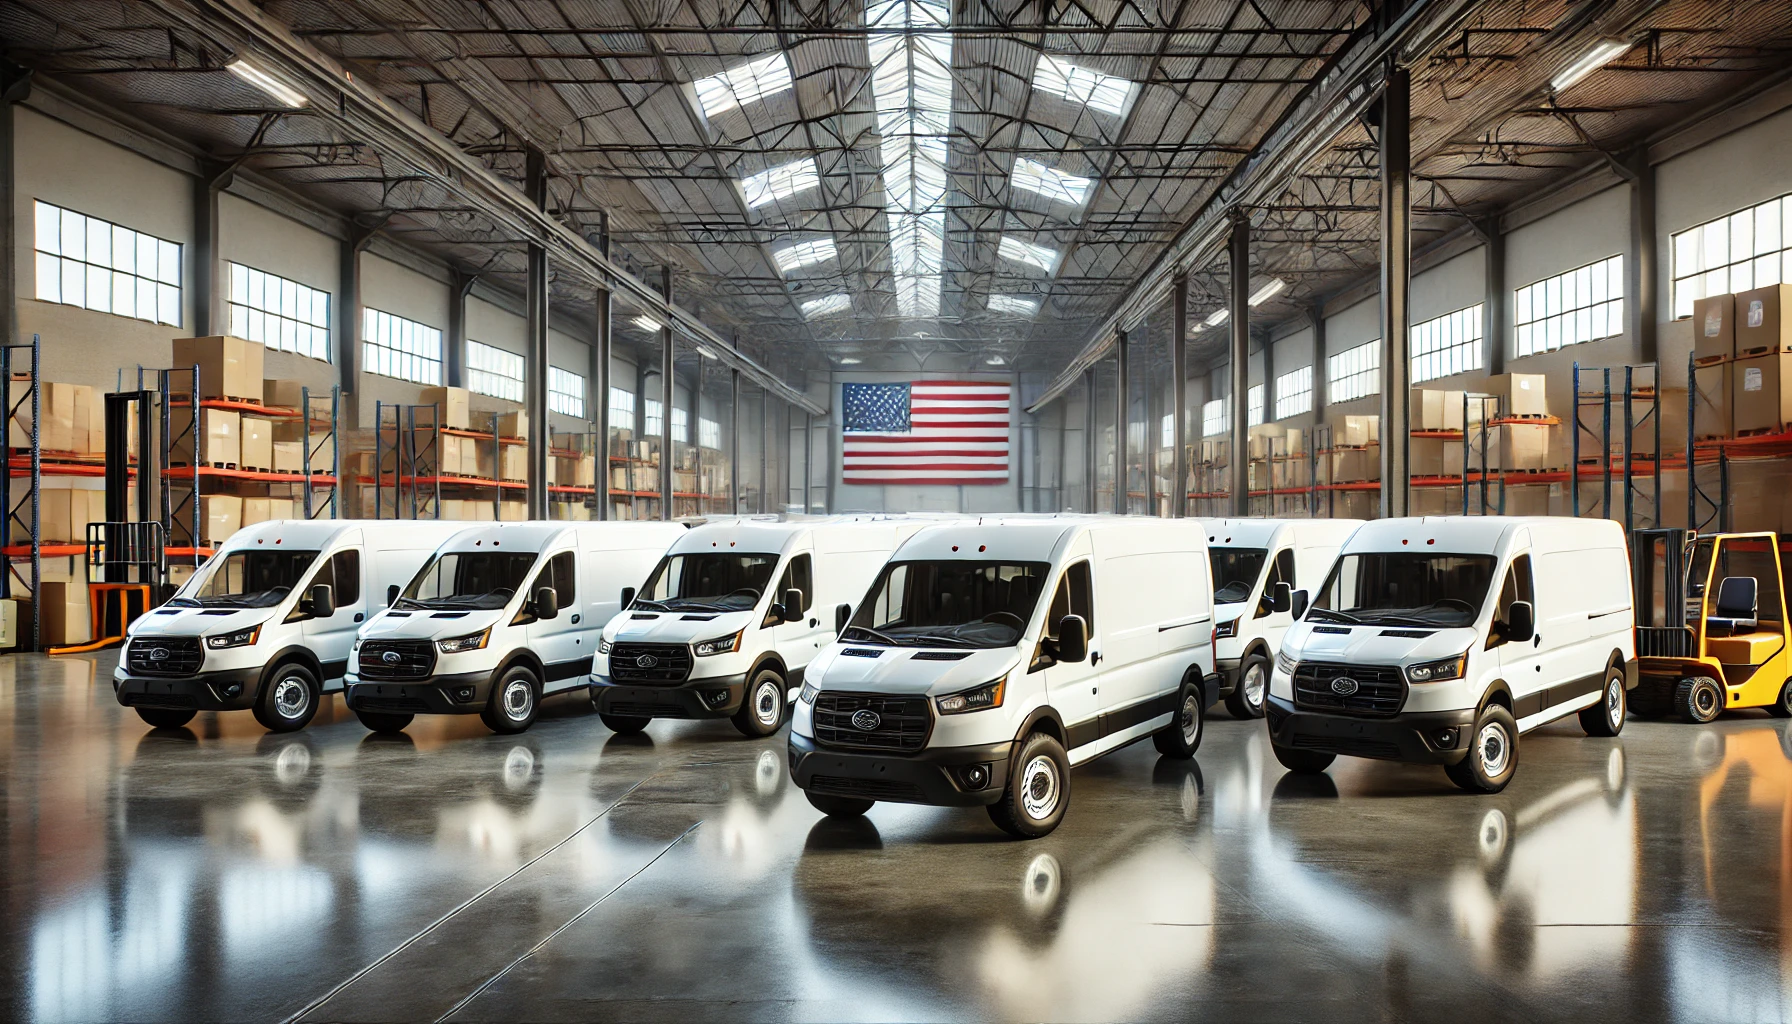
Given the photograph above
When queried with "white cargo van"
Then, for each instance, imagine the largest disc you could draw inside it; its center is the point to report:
(1264, 572)
(267, 622)
(711, 635)
(503, 615)
(992, 656)
(1440, 640)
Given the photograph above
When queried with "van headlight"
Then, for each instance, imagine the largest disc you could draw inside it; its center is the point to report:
(720, 645)
(1438, 671)
(989, 695)
(240, 638)
(810, 690)
(1225, 629)
(1284, 663)
(470, 642)
(603, 646)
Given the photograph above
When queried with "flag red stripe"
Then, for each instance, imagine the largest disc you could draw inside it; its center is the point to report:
(927, 480)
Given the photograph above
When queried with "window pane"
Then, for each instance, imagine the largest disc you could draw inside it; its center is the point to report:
(74, 235)
(49, 278)
(99, 289)
(49, 228)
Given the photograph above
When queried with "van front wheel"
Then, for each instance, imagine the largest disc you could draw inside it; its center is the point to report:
(1182, 737)
(1038, 789)
(1606, 718)
(1303, 762)
(288, 700)
(1492, 754)
(762, 710)
(1247, 696)
(513, 703)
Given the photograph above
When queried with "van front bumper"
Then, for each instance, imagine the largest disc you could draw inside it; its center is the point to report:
(226, 690)
(1226, 672)
(932, 775)
(461, 694)
(714, 697)
(1416, 738)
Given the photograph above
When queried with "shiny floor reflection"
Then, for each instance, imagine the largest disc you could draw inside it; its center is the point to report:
(222, 873)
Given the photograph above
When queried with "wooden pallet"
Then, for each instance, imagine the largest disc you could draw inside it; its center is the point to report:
(1759, 432)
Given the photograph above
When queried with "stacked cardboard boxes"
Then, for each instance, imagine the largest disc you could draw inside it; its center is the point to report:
(1760, 384)
(1713, 351)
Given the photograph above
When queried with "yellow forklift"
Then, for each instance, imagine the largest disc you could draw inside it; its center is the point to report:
(1712, 633)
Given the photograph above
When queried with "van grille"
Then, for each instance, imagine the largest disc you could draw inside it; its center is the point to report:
(161, 700)
(650, 663)
(415, 659)
(902, 722)
(178, 656)
(1354, 746)
(1380, 689)
(401, 705)
(868, 789)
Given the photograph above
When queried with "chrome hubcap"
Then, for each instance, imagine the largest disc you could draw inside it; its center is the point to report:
(517, 700)
(1254, 685)
(1495, 749)
(1614, 702)
(1705, 700)
(1039, 787)
(765, 703)
(1191, 719)
(291, 697)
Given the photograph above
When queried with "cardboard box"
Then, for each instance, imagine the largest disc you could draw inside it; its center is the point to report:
(1356, 465)
(1527, 499)
(1760, 326)
(1435, 501)
(63, 514)
(266, 510)
(256, 449)
(289, 394)
(89, 426)
(222, 515)
(228, 367)
(1713, 328)
(453, 405)
(1523, 446)
(1434, 456)
(513, 462)
(512, 511)
(1435, 410)
(289, 456)
(485, 461)
(513, 424)
(1713, 401)
(63, 615)
(1356, 431)
(1760, 400)
(222, 443)
(1523, 393)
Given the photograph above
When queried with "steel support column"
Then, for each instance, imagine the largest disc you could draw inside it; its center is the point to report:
(1179, 396)
(207, 316)
(734, 507)
(1089, 440)
(1396, 281)
(535, 346)
(454, 350)
(15, 87)
(1321, 364)
(765, 444)
(808, 458)
(1643, 299)
(600, 379)
(1122, 397)
(1238, 448)
(1495, 298)
(667, 396)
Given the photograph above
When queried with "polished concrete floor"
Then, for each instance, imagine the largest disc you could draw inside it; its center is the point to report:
(222, 873)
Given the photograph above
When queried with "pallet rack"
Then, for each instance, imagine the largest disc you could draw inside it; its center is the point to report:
(24, 510)
(1639, 409)
(410, 466)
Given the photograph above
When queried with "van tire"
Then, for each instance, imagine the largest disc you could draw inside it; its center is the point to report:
(514, 702)
(838, 806)
(1782, 704)
(384, 722)
(1606, 718)
(288, 699)
(623, 725)
(1492, 753)
(165, 718)
(1239, 703)
(763, 707)
(1303, 762)
(1182, 737)
(1698, 699)
(1038, 791)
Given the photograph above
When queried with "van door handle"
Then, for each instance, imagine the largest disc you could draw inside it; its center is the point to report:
(1094, 657)
(1537, 641)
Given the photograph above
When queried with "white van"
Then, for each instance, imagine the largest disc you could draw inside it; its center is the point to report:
(1264, 571)
(1440, 640)
(267, 622)
(711, 636)
(992, 656)
(503, 615)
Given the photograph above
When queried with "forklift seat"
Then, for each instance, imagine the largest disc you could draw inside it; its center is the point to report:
(1735, 605)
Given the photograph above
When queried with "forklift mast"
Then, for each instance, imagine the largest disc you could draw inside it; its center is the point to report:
(1659, 561)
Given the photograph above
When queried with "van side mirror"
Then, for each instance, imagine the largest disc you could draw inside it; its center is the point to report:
(1521, 622)
(323, 601)
(391, 595)
(1300, 603)
(1073, 639)
(547, 603)
(628, 596)
(792, 605)
(842, 615)
(1281, 599)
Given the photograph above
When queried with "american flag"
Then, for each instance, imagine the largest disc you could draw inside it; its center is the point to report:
(926, 432)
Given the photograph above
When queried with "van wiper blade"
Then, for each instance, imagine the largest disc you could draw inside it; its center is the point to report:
(923, 638)
(1344, 617)
(648, 604)
(876, 637)
(181, 602)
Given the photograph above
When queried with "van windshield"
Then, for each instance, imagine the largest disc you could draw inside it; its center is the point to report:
(949, 604)
(248, 579)
(1235, 572)
(707, 581)
(468, 579)
(1400, 588)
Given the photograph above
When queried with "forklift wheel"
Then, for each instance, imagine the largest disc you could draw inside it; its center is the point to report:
(1699, 699)
(1782, 705)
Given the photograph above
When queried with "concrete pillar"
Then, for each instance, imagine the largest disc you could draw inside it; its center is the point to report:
(1396, 280)
(1179, 396)
(454, 342)
(15, 87)
(1495, 301)
(208, 318)
(1642, 297)
(535, 347)
(1238, 253)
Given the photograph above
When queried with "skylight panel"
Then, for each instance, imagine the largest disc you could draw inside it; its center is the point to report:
(803, 254)
(1027, 252)
(1013, 304)
(648, 324)
(754, 80)
(1109, 94)
(1050, 183)
(780, 182)
(911, 86)
(827, 305)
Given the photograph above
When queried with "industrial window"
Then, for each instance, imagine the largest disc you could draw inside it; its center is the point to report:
(494, 371)
(1049, 182)
(1448, 345)
(566, 392)
(280, 314)
(94, 264)
(780, 182)
(1294, 392)
(1167, 431)
(622, 409)
(1750, 248)
(1253, 405)
(681, 426)
(1010, 248)
(1354, 373)
(1214, 415)
(709, 433)
(651, 420)
(395, 347)
(743, 83)
(1014, 305)
(1582, 305)
(1107, 93)
(802, 254)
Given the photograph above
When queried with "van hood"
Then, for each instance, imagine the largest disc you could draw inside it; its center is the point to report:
(433, 625)
(897, 670)
(201, 621)
(676, 627)
(1374, 645)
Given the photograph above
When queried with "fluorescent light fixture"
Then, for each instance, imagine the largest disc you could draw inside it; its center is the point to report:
(648, 324)
(1267, 292)
(1052, 184)
(1217, 317)
(1603, 52)
(262, 80)
(827, 305)
(703, 351)
(1109, 94)
(850, 360)
(911, 86)
(780, 182)
(802, 254)
(1013, 304)
(754, 80)
(1026, 252)
(996, 361)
